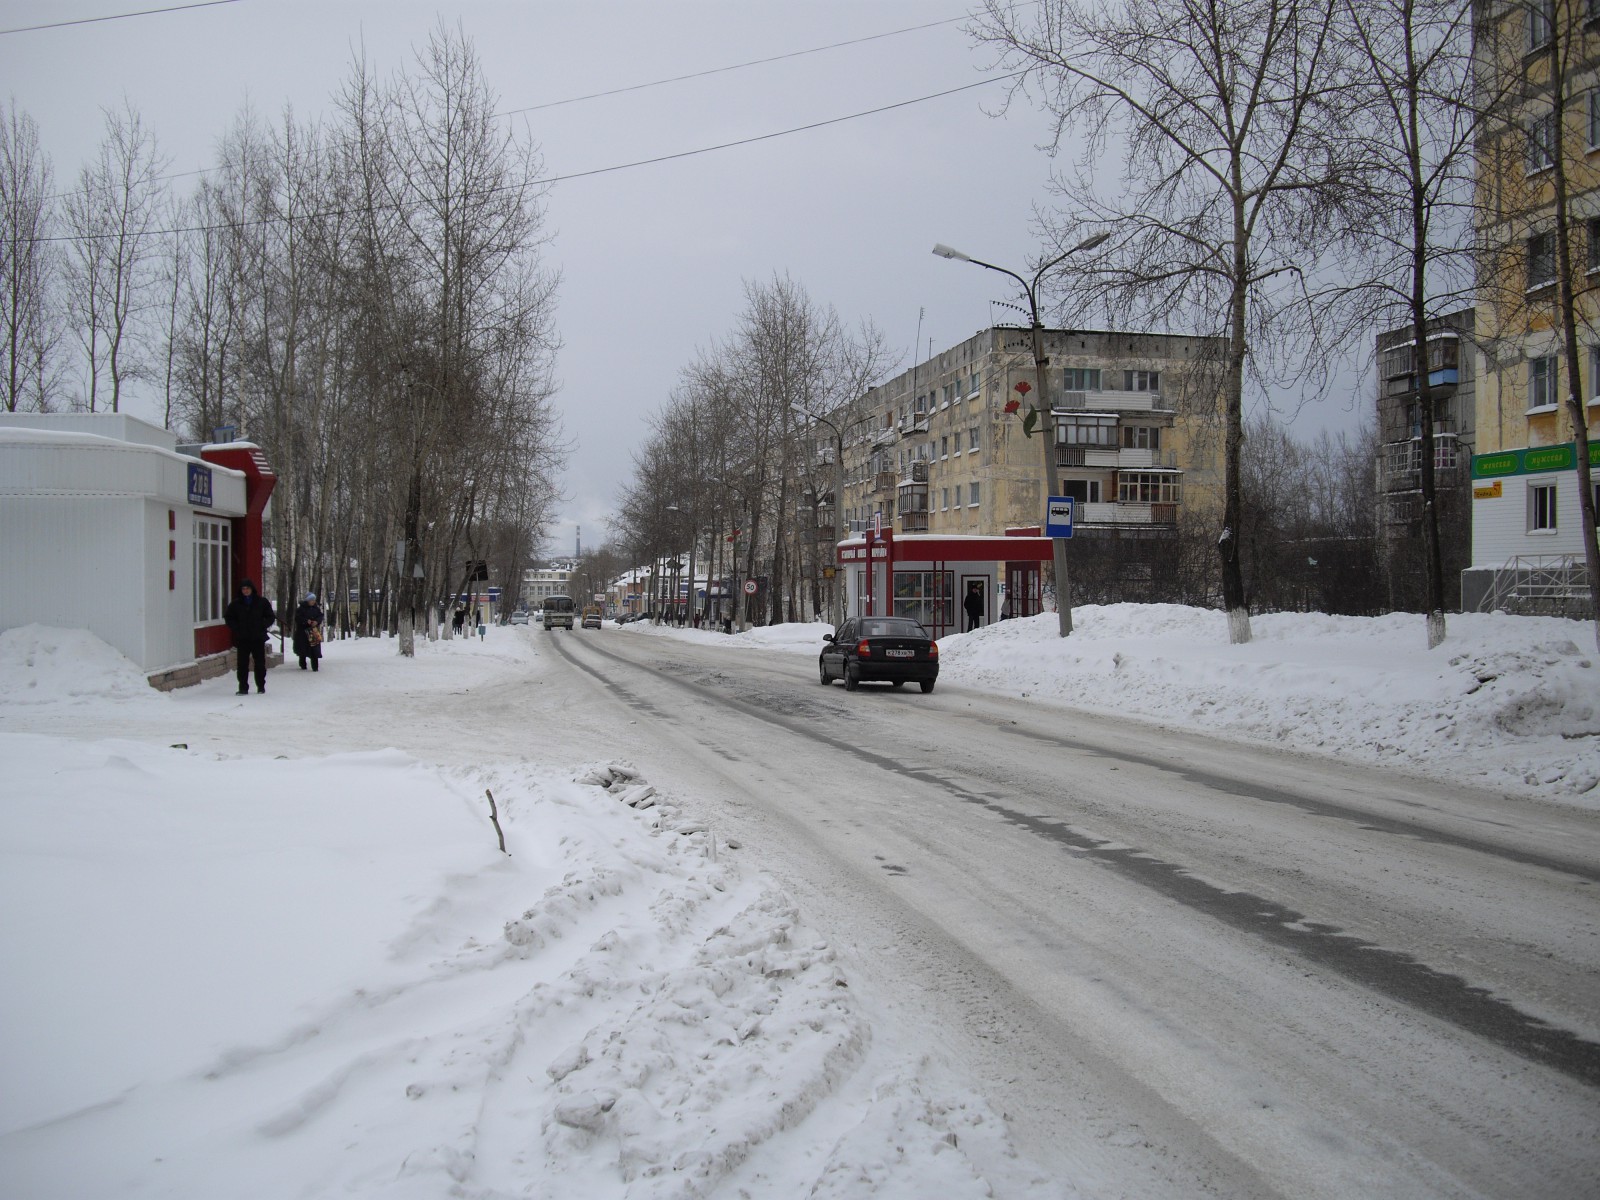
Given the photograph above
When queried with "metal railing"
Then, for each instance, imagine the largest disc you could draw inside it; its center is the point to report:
(1544, 584)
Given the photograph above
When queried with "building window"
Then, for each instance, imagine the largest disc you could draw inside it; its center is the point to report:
(1541, 508)
(972, 495)
(1541, 22)
(959, 488)
(1541, 260)
(1541, 147)
(1542, 382)
(1594, 374)
(923, 596)
(1141, 487)
(1141, 437)
(1142, 381)
(1086, 430)
(944, 447)
(1081, 379)
(1594, 116)
(1084, 491)
(972, 440)
(213, 569)
(944, 499)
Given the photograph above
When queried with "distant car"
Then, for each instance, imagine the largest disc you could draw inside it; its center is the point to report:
(591, 618)
(519, 618)
(895, 650)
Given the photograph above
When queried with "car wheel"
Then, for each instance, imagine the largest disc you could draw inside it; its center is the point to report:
(822, 673)
(899, 683)
(927, 686)
(852, 678)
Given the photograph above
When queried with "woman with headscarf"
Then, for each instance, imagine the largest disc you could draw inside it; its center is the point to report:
(308, 632)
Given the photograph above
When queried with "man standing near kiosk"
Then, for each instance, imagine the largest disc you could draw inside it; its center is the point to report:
(250, 617)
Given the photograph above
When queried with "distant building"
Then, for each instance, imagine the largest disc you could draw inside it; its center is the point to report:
(1137, 445)
(538, 583)
(1450, 374)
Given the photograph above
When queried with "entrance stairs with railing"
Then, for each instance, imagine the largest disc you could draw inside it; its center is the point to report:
(1553, 585)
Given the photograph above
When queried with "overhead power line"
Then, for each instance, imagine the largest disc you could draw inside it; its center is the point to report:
(754, 62)
(540, 183)
(146, 12)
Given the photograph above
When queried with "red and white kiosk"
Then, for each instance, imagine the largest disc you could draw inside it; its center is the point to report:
(926, 576)
(106, 525)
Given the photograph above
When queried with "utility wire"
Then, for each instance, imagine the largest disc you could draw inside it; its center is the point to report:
(636, 87)
(541, 183)
(755, 62)
(147, 12)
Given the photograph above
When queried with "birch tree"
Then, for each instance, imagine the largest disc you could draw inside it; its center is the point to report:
(112, 217)
(28, 327)
(1232, 166)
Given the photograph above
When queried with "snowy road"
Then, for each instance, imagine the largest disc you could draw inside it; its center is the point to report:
(1203, 969)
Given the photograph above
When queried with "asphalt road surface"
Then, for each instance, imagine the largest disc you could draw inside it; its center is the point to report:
(1181, 967)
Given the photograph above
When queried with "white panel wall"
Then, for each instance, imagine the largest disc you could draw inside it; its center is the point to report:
(1500, 523)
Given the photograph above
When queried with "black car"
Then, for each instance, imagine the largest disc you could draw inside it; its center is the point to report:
(893, 650)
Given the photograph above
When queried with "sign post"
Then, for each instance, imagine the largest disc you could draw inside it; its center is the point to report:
(1058, 527)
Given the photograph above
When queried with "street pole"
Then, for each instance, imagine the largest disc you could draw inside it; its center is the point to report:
(1047, 422)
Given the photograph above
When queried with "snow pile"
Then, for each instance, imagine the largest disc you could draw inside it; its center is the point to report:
(43, 665)
(266, 976)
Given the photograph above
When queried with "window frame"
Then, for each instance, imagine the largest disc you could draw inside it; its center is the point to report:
(1544, 374)
(1541, 261)
(1543, 513)
(1539, 150)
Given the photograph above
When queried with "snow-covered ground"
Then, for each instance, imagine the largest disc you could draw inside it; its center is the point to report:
(313, 972)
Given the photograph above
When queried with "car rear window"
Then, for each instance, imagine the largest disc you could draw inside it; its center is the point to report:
(893, 628)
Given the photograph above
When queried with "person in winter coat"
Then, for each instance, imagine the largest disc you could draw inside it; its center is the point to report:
(250, 617)
(974, 606)
(308, 631)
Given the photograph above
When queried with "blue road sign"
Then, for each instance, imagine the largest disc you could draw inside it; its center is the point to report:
(1058, 517)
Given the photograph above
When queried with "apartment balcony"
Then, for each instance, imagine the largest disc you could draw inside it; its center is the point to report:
(883, 481)
(1400, 469)
(1112, 458)
(1125, 513)
(914, 522)
(1104, 401)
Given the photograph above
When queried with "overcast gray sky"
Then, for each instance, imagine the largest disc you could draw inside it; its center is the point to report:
(653, 257)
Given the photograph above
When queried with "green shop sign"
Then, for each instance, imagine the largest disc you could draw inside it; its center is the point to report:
(1531, 461)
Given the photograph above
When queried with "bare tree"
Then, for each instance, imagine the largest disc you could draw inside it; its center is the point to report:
(1232, 163)
(1415, 57)
(112, 217)
(28, 327)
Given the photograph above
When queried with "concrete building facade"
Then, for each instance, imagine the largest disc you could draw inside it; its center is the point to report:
(936, 451)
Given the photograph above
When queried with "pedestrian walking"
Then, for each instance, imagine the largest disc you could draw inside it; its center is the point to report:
(308, 620)
(249, 617)
(974, 606)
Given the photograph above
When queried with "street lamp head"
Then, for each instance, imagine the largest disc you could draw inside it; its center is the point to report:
(1089, 243)
(944, 251)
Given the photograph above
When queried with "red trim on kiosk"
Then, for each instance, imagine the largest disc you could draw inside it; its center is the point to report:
(247, 534)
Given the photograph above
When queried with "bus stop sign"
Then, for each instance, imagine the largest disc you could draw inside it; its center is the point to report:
(1058, 517)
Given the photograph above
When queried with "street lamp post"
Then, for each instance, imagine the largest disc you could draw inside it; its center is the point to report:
(838, 502)
(1046, 414)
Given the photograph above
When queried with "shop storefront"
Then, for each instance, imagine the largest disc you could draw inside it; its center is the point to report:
(927, 577)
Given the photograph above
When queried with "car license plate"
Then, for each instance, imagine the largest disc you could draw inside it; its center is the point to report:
(901, 653)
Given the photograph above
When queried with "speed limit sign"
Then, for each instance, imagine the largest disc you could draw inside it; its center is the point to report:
(749, 587)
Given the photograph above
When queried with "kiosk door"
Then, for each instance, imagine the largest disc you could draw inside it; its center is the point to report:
(1024, 594)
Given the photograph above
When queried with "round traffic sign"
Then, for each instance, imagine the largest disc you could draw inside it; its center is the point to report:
(749, 587)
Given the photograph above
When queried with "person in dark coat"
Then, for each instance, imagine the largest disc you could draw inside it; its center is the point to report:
(974, 606)
(308, 631)
(250, 617)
